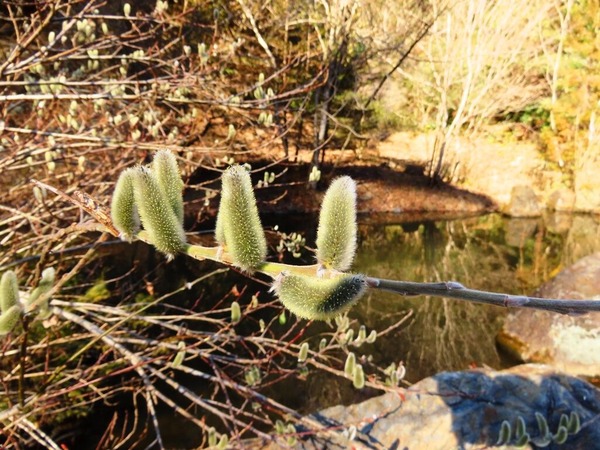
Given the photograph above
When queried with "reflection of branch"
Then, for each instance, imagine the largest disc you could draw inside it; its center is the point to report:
(452, 289)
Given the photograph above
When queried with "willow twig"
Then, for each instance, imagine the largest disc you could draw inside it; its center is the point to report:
(449, 289)
(453, 289)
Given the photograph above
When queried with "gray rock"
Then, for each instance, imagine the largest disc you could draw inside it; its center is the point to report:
(561, 200)
(571, 344)
(460, 410)
(558, 222)
(523, 202)
(587, 182)
(518, 230)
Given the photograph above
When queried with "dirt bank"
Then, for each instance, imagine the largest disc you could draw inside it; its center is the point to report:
(381, 189)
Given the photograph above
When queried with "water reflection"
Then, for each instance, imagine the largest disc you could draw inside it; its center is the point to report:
(489, 253)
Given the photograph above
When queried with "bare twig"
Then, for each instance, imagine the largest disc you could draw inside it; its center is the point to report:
(452, 289)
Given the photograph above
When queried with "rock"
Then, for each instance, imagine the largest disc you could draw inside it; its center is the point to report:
(587, 182)
(488, 167)
(583, 238)
(523, 202)
(561, 200)
(460, 410)
(518, 230)
(558, 222)
(571, 344)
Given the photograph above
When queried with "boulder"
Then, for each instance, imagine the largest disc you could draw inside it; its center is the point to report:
(562, 199)
(587, 182)
(518, 230)
(458, 410)
(569, 343)
(523, 202)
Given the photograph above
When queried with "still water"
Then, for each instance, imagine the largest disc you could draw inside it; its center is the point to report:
(490, 253)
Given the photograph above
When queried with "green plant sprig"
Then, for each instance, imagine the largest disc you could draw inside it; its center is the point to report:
(217, 254)
(320, 291)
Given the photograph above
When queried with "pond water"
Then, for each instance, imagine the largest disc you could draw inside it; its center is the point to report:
(492, 253)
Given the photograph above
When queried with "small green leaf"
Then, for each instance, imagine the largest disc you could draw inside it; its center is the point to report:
(523, 440)
(520, 427)
(372, 337)
(561, 436)
(180, 355)
(574, 423)
(564, 421)
(505, 433)
(543, 426)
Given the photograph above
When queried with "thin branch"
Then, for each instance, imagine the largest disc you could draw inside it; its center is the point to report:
(452, 289)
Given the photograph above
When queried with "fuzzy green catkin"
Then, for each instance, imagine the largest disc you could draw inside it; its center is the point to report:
(123, 210)
(9, 291)
(9, 319)
(303, 352)
(350, 364)
(169, 179)
(319, 298)
(219, 231)
(358, 378)
(336, 235)
(163, 227)
(238, 224)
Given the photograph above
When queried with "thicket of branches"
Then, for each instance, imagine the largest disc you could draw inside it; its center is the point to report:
(88, 88)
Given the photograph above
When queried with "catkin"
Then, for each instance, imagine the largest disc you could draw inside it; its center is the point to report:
(9, 291)
(169, 179)
(123, 210)
(163, 227)
(336, 235)
(238, 223)
(9, 319)
(318, 298)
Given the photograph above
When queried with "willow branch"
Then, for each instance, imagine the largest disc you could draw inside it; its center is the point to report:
(452, 289)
